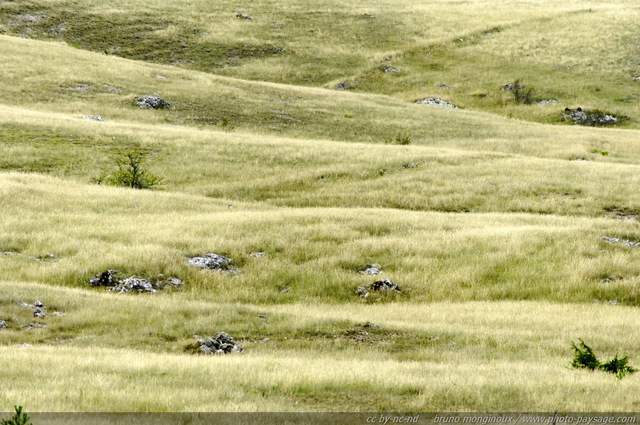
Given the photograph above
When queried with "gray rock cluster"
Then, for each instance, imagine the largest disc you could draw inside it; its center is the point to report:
(135, 284)
(46, 257)
(39, 310)
(31, 18)
(153, 102)
(511, 87)
(132, 284)
(358, 335)
(170, 282)
(220, 343)
(106, 278)
(611, 279)
(212, 261)
(241, 15)
(434, 101)
(93, 117)
(407, 166)
(80, 88)
(371, 269)
(548, 102)
(618, 240)
(589, 118)
(388, 69)
(35, 326)
(3, 324)
(626, 216)
(383, 286)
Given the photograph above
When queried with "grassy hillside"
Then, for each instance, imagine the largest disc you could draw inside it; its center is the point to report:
(580, 53)
(510, 232)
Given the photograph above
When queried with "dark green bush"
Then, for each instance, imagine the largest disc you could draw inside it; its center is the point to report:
(18, 419)
(618, 366)
(586, 359)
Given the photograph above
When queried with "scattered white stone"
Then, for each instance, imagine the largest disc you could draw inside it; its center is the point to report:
(93, 117)
(618, 240)
(35, 326)
(434, 101)
(211, 261)
(362, 292)
(135, 284)
(388, 69)
(31, 18)
(371, 269)
(153, 102)
(81, 88)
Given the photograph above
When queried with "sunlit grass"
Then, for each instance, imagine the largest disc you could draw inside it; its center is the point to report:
(433, 357)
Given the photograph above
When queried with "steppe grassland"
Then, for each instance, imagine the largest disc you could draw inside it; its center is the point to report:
(264, 107)
(305, 172)
(315, 252)
(567, 50)
(513, 355)
(524, 285)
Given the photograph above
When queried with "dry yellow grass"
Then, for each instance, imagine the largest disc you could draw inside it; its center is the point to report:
(492, 230)
(466, 356)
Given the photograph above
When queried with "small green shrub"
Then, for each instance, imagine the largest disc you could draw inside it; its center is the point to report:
(400, 139)
(18, 419)
(586, 359)
(618, 366)
(131, 173)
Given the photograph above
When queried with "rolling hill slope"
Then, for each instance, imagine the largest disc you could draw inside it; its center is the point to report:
(509, 238)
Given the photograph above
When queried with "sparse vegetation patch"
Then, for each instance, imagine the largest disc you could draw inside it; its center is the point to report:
(521, 94)
(400, 139)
